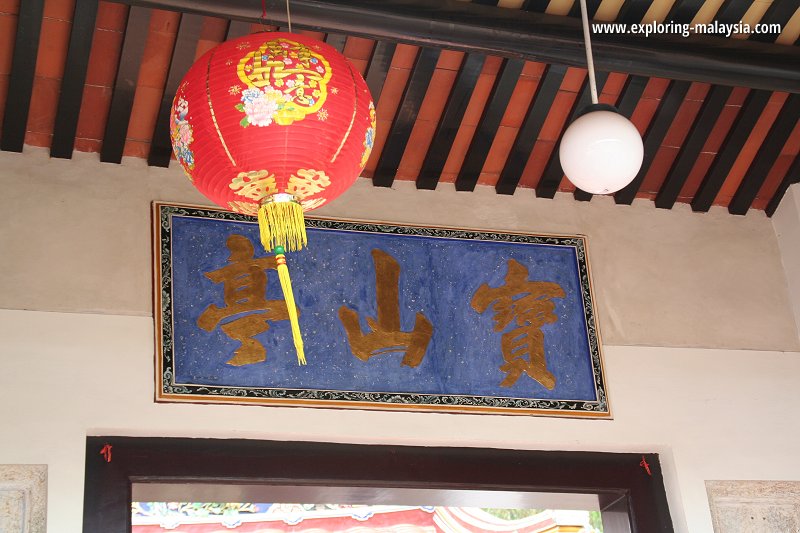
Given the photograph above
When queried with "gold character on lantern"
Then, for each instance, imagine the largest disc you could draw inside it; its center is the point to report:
(529, 305)
(285, 82)
(256, 184)
(245, 284)
(307, 182)
(385, 335)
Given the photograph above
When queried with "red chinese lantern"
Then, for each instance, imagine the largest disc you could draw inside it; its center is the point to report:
(272, 125)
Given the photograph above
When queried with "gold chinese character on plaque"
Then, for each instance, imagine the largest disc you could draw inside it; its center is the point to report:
(385, 335)
(529, 306)
(244, 281)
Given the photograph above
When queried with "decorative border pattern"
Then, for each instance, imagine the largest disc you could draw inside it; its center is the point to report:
(27, 484)
(754, 506)
(168, 390)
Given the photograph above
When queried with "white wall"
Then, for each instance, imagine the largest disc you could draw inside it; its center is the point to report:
(75, 239)
(711, 414)
(786, 222)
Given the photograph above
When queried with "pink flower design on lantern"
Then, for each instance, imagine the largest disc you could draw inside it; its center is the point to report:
(185, 132)
(260, 106)
(259, 112)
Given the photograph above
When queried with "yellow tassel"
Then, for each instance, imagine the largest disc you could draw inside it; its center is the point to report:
(288, 295)
(282, 224)
(283, 227)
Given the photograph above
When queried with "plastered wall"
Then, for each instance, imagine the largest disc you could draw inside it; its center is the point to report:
(786, 222)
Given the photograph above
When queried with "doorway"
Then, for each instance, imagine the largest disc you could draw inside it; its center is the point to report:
(628, 495)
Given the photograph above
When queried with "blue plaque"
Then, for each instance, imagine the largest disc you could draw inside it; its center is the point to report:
(392, 317)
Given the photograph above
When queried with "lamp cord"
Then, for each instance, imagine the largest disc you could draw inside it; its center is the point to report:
(587, 41)
(288, 16)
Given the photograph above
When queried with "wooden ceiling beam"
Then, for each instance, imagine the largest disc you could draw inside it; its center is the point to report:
(236, 29)
(80, 46)
(657, 130)
(591, 9)
(767, 155)
(537, 6)
(450, 121)
(779, 12)
(792, 176)
(378, 68)
(537, 113)
(336, 40)
(684, 11)
(751, 110)
(471, 27)
(732, 11)
(23, 69)
(633, 11)
(406, 117)
(492, 116)
(704, 123)
(119, 113)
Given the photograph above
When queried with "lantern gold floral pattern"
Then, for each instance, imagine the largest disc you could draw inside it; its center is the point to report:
(272, 125)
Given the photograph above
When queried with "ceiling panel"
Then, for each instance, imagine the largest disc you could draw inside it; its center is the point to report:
(99, 76)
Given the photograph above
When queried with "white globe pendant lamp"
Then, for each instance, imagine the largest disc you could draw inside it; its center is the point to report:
(601, 151)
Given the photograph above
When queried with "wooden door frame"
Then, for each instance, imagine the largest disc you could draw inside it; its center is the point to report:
(107, 492)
